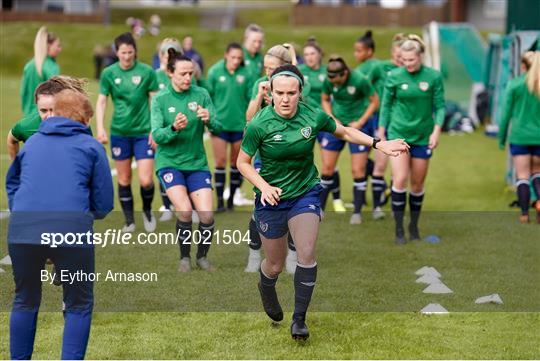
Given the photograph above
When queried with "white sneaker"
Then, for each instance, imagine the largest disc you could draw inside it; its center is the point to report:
(166, 214)
(378, 213)
(128, 228)
(291, 261)
(149, 224)
(339, 206)
(6, 261)
(185, 265)
(356, 218)
(241, 200)
(254, 261)
(204, 264)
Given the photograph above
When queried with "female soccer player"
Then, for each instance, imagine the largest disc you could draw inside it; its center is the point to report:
(253, 43)
(261, 97)
(44, 98)
(287, 187)
(412, 109)
(163, 80)
(314, 73)
(522, 110)
(354, 102)
(130, 84)
(378, 183)
(179, 115)
(42, 67)
(229, 84)
(60, 182)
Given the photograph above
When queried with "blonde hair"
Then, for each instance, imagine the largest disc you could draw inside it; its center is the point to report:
(532, 59)
(58, 83)
(398, 39)
(285, 53)
(41, 47)
(413, 43)
(163, 49)
(253, 28)
(73, 105)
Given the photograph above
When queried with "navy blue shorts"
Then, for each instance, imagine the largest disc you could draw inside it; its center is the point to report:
(127, 147)
(192, 180)
(257, 164)
(516, 149)
(420, 151)
(29, 261)
(231, 137)
(330, 142)
(272, 221)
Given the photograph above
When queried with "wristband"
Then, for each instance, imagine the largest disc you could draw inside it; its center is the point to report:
(375, 141)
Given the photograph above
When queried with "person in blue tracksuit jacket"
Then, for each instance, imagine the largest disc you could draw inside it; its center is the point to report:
(60, 182)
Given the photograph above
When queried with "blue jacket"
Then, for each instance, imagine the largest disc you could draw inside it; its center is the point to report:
(59, 182)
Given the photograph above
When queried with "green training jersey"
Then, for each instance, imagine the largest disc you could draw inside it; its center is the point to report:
(350, 98)
(230, 94)
(26, 127)
(183, 149)
(315, 78)
(253, 63)
(286, 147)
(522, 109)
(162, 79)
(31, 79)
(412, 104)
(129, 90)
(370, 68)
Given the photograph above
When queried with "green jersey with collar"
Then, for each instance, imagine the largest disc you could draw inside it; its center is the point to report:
(26, 127)
(315, 78)
(350, 98)
(129, 90)
(31, 79)
(522, 109)
(231, 94)
(412, 104)
(286, 147)
(183, 149)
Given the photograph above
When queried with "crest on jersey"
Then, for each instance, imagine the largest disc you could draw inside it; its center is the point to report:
(423, 86)
(263, 226)
(404, 86)
(168, 177)
(321, 77)
(222, 78)
(192, 106)
(117, 81)
(117, 151)
(240, 79)
(136, 79)
(306, 132)
(351, 90)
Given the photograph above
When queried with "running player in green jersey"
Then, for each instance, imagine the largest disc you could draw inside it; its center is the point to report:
(379, 186)
(354, 102)
(261, 97)
(179, 115)
(229, 84)
(42, 67)
(163, 81)
(522, 110)
(130, 84)
(412, 109)
(253, 43)
(314, 73)
(287, 187)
